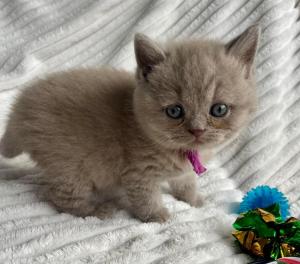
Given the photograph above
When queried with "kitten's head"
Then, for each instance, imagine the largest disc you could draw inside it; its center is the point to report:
(195, 93)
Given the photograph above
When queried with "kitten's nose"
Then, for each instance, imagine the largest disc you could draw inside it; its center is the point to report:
(197, 132)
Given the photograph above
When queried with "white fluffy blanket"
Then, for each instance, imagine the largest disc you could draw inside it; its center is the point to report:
(39, 36)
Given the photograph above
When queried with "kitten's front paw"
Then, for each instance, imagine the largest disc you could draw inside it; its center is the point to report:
(105, 210)
(198, 202)
(160, 216)
(194, 200)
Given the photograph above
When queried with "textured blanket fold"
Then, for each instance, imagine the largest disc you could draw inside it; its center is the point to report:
(39, 36)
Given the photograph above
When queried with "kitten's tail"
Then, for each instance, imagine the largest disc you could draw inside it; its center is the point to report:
(9, 147)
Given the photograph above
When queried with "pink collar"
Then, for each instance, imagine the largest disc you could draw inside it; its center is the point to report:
(194, 158)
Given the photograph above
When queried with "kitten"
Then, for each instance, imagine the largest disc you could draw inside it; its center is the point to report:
(102, 134)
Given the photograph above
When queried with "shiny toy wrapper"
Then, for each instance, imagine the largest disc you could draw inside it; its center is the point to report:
(264, 233)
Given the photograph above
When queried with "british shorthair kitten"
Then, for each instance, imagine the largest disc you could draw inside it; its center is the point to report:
(105, 138)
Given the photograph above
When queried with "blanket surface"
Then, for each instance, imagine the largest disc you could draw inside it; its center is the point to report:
(39, 36)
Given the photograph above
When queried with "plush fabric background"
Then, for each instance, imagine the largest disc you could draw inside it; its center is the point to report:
(39, 36)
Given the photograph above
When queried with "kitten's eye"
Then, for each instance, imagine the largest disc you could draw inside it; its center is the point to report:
(219, 110)
(175, 111)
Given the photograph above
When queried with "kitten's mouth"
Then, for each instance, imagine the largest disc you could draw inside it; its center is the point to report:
(199, 143)
(199, 140)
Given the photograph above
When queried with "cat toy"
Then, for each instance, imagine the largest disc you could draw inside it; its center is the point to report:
(288, 261)
(194, 158)
(264, 228)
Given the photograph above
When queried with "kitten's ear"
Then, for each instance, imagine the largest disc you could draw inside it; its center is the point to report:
(147, 53)
(244, 47)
